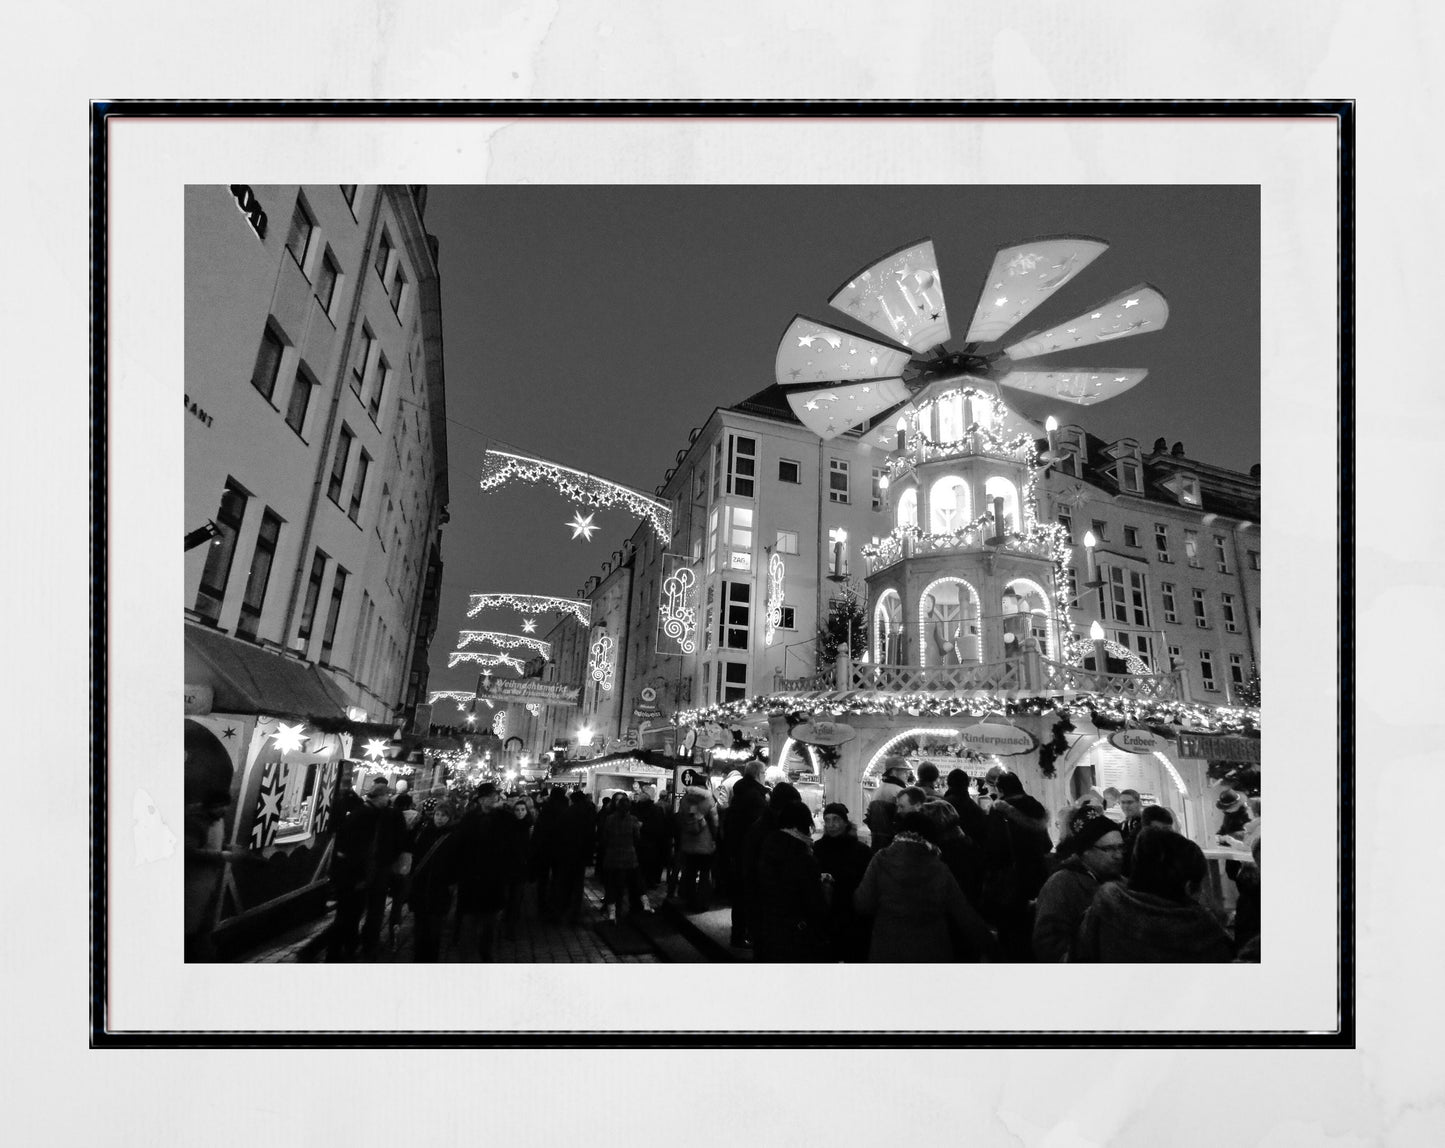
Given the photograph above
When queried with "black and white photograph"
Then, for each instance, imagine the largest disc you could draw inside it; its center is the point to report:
(722, 574)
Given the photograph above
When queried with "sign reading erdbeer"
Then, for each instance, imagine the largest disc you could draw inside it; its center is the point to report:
(1136, 741)
(996, 737)
(1215, 748)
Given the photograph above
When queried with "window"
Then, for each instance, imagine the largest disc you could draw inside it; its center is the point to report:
(1253, 559)
(877, 488)
(706, 679)
(1226, 605)
(717, 453)
(1136, 643)
(837, 480)
(1073, 586)
(1189, 490)
(297, 802)
(358, 488)
(298, 239)
(1191, 548)
(742, 465)
(383, 254)
(260, 576)
(326, 281)
(363, 359)
(707, 623)
(383, 372)
(740, 538)
(788, 621)
(1236, 669)
(1201, 616)
(1171, 611)
(1176, 657)
(908, 508)
(1131, 536)
(221, 551)
(787, 542)
(338, 464)
(398, 289)
(1100, 530)
(1126, 589)
(1066, 520)
(1161, 542)
(712, 530)
(338, 589)
(1206, 670)
(268, 362)
(300, 400)
(699, 484)
(313, 596)
(1129, 477)
(349, 191)
(737, 615)
(787, 470)
(1220, 559)
(735, 681)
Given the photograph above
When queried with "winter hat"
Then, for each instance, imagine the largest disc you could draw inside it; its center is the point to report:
(836, 808)
(486, 789)
(1228, 799)
(784, 793)
(795, 815)
(428, 807)
(1086, 826)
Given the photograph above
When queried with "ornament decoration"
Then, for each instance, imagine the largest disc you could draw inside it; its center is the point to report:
(531, 604)
(582, 527)
(529, 625)
(375, 749)
(775, 598)
(679, 608)
(503, 641)
(459, 656)
(500, 467)
(499, 724)
(289, 738)
(601, 662)
(534, 708)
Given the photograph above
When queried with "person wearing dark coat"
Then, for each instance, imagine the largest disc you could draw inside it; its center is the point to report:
(971, 819)
(919, 912)
(620, 832)
(882, 810)
(748, 801)
(1093, 855)
(963, 858)
(1015, 865)
(791, 911)
(543, 860)
(696, 828)
(516, 852)
(355, 869)
(482, 867)
(782, 794)
(392, 836)
(843, 860)
(576, 837)
(433, 873)
(1154, 916)
(654, 843)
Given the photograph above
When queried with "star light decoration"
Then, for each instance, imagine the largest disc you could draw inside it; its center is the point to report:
(288, 738)
(529, 625)
(532, 604)
(459, 656)
(503, 641)
(582, 528)
(376, 749)
(500, 467)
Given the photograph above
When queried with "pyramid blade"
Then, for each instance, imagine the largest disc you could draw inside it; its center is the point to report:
(1082, 385)
(900, 297)
(1023, 276)
(1138, 311)
(830, 411)
(812, 352)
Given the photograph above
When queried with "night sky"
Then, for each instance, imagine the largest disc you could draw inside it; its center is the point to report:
(596, 326)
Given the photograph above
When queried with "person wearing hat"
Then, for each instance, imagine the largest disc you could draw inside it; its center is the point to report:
(1231, 828)
(1093, 855)
(433, 874)
(882, 810)
(843, 860)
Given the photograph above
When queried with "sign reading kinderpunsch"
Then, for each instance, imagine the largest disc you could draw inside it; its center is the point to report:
(996, 737)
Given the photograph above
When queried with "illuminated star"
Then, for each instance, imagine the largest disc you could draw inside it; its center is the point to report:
(806, 340)
(229, 732)
(288, 737)
(529, 625)
(376, 748)
(582, 527)
(811, 404)
(1131, 303)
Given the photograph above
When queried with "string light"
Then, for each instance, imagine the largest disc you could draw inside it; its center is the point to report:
(503, 641)
(459, 656)
(500, 467)
(532, 604)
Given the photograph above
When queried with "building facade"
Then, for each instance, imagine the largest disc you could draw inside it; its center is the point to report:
(316, 491)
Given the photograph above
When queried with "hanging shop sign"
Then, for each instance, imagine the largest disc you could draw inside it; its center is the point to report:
(646, 711)
(1137, 741)
(997, 738)
(688, 776)
(1213, 748)
(527, 690)
(820, 731)
(198, 699)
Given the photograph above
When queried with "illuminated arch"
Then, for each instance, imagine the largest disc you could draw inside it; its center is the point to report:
(788, 744)
(1173, 773)
(923, 619)
(949, 505)
(1048, 613)
(887, 621)
(997, 486)
(908, 507)
(875, 763)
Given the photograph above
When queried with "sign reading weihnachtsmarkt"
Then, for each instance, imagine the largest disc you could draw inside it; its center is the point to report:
(1215, 748)
(527, 690)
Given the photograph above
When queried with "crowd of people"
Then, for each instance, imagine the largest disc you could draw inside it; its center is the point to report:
(946, 875)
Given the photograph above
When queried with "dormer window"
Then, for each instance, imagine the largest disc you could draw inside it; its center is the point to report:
(1129, 482)
(1189, 489)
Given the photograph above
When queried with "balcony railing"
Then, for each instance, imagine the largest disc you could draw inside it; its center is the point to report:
(920, 451)
(895, 547)
(908, 679)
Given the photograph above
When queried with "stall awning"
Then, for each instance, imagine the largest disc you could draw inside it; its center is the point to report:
(246, 679)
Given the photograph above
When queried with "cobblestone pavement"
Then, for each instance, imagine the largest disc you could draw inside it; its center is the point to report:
(532, 941)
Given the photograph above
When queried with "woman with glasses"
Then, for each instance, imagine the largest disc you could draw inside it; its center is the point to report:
(1093, 856)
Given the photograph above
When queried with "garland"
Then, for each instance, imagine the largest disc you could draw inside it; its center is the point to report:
(532, 604)
(504, 641)
(500, 467)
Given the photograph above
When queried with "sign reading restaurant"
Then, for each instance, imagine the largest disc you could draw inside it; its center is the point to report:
(997, 737)
(1214, 748)
(527, 690)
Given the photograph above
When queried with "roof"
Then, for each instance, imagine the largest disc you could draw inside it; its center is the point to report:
(770, 402)
(248, 679)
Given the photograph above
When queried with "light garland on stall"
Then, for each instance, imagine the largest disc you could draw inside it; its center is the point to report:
(532, 604)
(500, 467)
(503, 641)
(458, 656)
